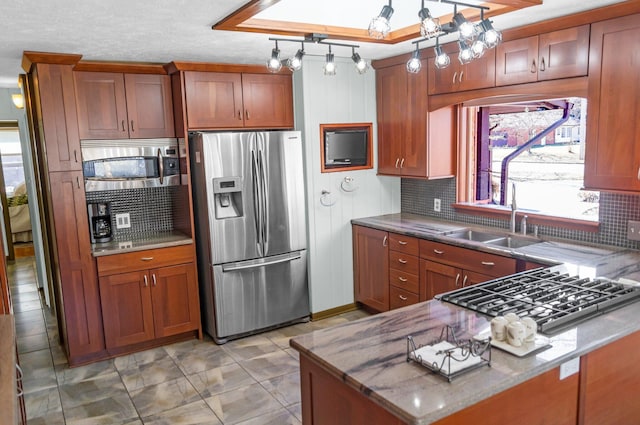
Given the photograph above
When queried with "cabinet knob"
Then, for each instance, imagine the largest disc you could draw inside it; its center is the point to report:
(542, 65)
(533, 66)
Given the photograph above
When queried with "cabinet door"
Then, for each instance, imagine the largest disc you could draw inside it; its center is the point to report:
(479, 74)
(57, 116)
(126, 308)
(437, 278)
(371, 267)
(414, 145)
(149, 106)
(392, 104)
(472, 278)
(213, 100)
(102, 106)
(563, 53)
(175, 299)
(78, 282)
(612, 152)
(443, 80)
(267, 100)
(517, 61)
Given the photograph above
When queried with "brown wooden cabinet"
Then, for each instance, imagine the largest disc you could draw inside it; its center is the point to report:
(123, 106)
(141, 304)
(612, 151)
(412, 142)
(217, 100)
(371, 267)
(549, 56)
(404, 269)
(479, 74)
(446, 267)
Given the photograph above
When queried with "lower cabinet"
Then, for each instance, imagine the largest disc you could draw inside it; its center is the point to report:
(145, 304)
(371, 267)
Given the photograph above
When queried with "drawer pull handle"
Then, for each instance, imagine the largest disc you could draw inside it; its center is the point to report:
(455, 74)
(384, 241)
(402, 279)
(437, 251)
(457, 279)
(403, 242)
(402, 163)
(464, 281)
(153, 279)
(488, 263)
(460, 78)
(239, 115)
(402, 261)
(542, 65)
(132, 127)
(533, 67)
(146, 258)
(146, 280)
(402, 298)
(397, 160)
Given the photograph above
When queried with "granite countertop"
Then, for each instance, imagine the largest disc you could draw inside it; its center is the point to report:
(152, 241)
(370, 354)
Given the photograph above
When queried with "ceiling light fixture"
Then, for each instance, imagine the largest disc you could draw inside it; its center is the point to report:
(18, 100)
(429, 26)
(380, 26)
(274, 64)
(442, 59)
(466, 54)
(361, 64)
(466, 29)
(294, 63)
(415, 64)
(329, 64)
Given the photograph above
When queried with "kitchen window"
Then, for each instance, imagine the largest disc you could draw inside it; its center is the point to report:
(538, 146)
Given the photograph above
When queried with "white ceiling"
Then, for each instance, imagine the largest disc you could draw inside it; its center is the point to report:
(164, 30)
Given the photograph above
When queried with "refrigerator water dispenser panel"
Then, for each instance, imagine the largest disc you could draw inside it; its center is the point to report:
(227, 193)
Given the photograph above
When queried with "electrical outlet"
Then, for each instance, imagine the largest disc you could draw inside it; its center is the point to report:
(123, 221)
(633, 230)
(125, 245)
(436, 205)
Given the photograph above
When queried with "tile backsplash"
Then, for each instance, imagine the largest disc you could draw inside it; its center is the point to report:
(150, 210)
(615, 210)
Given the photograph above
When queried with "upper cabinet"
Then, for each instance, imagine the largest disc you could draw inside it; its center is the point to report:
(549, 56)
(124, 106)
(411, 141)
(478, 74)
(238, 100)
(612, 153)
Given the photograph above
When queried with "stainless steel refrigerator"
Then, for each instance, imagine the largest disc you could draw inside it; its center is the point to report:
(251, 234)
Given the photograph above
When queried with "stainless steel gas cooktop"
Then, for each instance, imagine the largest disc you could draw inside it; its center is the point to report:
(552, 298)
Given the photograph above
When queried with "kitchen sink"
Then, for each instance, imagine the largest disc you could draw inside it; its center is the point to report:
(512, 242)
(475, 236)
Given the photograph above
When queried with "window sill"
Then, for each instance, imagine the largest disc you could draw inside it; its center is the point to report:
(504, 213)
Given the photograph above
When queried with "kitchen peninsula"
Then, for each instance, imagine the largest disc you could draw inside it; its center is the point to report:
(357, 373)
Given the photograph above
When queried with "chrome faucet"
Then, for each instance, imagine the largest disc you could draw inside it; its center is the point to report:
(514, 209)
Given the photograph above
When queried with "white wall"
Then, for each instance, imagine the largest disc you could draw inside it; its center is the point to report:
(347, 97)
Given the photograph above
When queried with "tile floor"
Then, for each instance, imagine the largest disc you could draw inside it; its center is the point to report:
(251, 381)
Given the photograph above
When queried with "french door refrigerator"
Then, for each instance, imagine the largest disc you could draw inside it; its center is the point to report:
(251, 236)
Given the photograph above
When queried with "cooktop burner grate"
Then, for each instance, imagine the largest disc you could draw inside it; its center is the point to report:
(553, 299)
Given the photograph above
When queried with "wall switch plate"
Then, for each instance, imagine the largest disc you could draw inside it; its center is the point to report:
(633, 230)
(436, 205)
(123, 221)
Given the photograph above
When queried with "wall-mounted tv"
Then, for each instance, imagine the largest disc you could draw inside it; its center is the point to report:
(346, 146)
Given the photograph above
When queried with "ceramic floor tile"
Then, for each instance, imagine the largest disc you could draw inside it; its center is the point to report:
(28, 316)
(30, 343)
(296, 410)
(67, 375)
(136, 360)
(116, 409)
(36, 379)
(52, 418)
(220, 379)
(59, 357)
(293, 353)
(25, 296)
(161, 370)
(270, 365)
(154, 399)
(19, 289)
(30, 328)
(197, 413)
(42, 403)
(196, 356)
(282, 336)
(280, 417)
(84, 392)
(285, 388)
(242, 404)
(250, 347)
(27, 306)
(36, 359)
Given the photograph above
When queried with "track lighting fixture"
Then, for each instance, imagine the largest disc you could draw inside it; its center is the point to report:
(414, 64)
(380, 26)
(295, 63)
(492, 37)
(429, 26)
(466, 54)
(329, 64)
(442, 59)
(361, 64)
(466, 29)
(274, 64)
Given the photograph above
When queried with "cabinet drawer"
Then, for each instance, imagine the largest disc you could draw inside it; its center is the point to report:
(410, 282)
(143, 260)
(468, 259)
(399, 297)
(404, 262)
(405, 244)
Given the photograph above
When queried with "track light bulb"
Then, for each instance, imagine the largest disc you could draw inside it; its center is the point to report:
(479, 47)
(380, 26)
(429, 26)
(442, 59)
(329, 65)
(492, 37)
(274, 64)
(361, 64)
(467, 29)
(466, 54)
(295, 63)
(414, 65)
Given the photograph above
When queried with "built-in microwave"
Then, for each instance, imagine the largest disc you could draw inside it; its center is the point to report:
(130, 163)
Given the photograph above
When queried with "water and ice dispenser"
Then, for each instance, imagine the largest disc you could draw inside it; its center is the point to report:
(227, 194)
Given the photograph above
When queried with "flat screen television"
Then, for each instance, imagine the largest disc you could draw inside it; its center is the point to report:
(346, 147)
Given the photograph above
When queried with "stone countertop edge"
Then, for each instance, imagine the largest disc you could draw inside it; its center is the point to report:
(505, 372)
(165, 240)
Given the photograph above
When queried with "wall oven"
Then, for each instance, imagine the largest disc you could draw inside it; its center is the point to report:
(130, 163)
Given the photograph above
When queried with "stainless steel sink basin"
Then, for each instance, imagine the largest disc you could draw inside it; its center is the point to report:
(512, 242)
(474, 235)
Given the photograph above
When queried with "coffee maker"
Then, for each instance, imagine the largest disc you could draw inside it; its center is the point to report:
(100, 222)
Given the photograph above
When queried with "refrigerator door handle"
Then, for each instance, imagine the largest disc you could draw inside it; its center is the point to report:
(265, 199)
(261, 262)
(256, 202)
(160, 166)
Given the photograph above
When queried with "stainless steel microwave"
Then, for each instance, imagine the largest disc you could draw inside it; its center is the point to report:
(130, 163)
